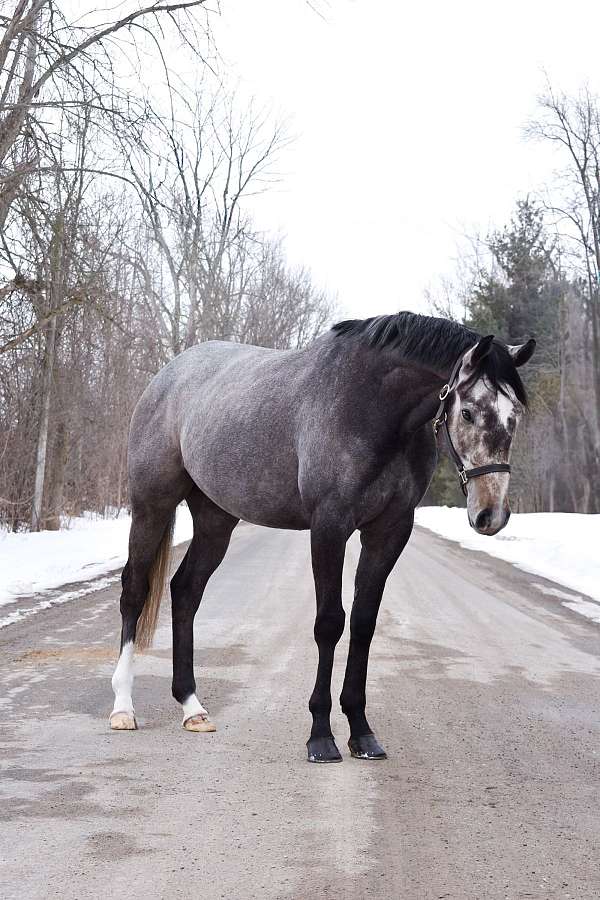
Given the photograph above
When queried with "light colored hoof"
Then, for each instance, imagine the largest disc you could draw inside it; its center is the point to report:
(199, 723)
(123, 721)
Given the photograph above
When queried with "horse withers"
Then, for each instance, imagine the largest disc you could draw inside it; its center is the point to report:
(334, 438)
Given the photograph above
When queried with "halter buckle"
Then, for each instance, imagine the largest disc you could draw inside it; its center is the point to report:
(463, 476)
(444, 392)
(437, 423)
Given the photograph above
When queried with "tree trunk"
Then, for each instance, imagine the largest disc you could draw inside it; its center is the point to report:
(42, 443)
(56, 489)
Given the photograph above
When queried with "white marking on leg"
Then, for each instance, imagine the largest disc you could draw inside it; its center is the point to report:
(192, 707)
(122, 681)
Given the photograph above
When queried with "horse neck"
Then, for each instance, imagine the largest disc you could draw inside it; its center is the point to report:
(383, 389)
(417, 388)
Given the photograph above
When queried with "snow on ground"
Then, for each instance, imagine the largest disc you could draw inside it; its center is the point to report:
(563, 547)
(90, 546)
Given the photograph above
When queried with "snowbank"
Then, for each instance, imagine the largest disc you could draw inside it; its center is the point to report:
(563, 547)
(89, 547)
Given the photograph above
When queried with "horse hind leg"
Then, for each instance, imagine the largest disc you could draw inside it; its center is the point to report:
(212, 532)
(150, 540)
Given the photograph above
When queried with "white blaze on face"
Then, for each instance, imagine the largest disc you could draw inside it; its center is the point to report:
(486, 492)
(480, 399)
(507, 407)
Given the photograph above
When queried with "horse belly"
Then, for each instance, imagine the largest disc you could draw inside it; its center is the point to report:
(261, 489)
(270, 510)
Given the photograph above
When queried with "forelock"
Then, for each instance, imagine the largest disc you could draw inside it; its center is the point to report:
(500, 371)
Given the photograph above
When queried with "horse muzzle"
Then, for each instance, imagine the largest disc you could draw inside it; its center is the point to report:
(490, 520)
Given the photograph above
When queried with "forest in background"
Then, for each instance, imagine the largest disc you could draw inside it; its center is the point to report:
(125, 239)
(540, 276)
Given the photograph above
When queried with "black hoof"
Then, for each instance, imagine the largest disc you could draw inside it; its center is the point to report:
(366, 747)
(323, 750)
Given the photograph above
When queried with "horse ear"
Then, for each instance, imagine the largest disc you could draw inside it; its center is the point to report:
(476, 354)
(521, 353)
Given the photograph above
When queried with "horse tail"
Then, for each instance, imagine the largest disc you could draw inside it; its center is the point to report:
(146, 625)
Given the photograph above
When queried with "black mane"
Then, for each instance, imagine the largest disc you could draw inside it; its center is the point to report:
(436, 342)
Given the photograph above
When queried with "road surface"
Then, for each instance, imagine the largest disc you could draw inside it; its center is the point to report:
(484, 690)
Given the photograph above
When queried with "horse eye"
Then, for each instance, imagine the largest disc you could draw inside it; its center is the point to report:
(467, 415)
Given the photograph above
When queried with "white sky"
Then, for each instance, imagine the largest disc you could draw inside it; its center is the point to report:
(408, 121)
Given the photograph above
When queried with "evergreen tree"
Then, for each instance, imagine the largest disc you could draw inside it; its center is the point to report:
(521, 296)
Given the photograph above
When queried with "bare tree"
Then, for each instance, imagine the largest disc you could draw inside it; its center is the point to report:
(572, 124)
(195, 210)
(125, 237)
(50, 59)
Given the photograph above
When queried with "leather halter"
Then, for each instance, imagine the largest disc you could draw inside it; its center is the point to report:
(441, 419)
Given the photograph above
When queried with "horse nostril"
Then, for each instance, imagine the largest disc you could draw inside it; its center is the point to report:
(484, 519)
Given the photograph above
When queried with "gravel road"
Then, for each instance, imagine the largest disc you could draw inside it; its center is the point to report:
(484, 690)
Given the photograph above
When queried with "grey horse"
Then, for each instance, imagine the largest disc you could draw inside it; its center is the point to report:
(334, 438)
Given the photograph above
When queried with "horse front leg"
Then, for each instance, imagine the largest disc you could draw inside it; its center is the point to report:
(382, 544)
(328, 544)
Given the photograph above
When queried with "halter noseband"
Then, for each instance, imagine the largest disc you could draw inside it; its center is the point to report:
(441, 419)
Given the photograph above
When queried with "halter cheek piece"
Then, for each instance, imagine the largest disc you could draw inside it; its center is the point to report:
(441, 419)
